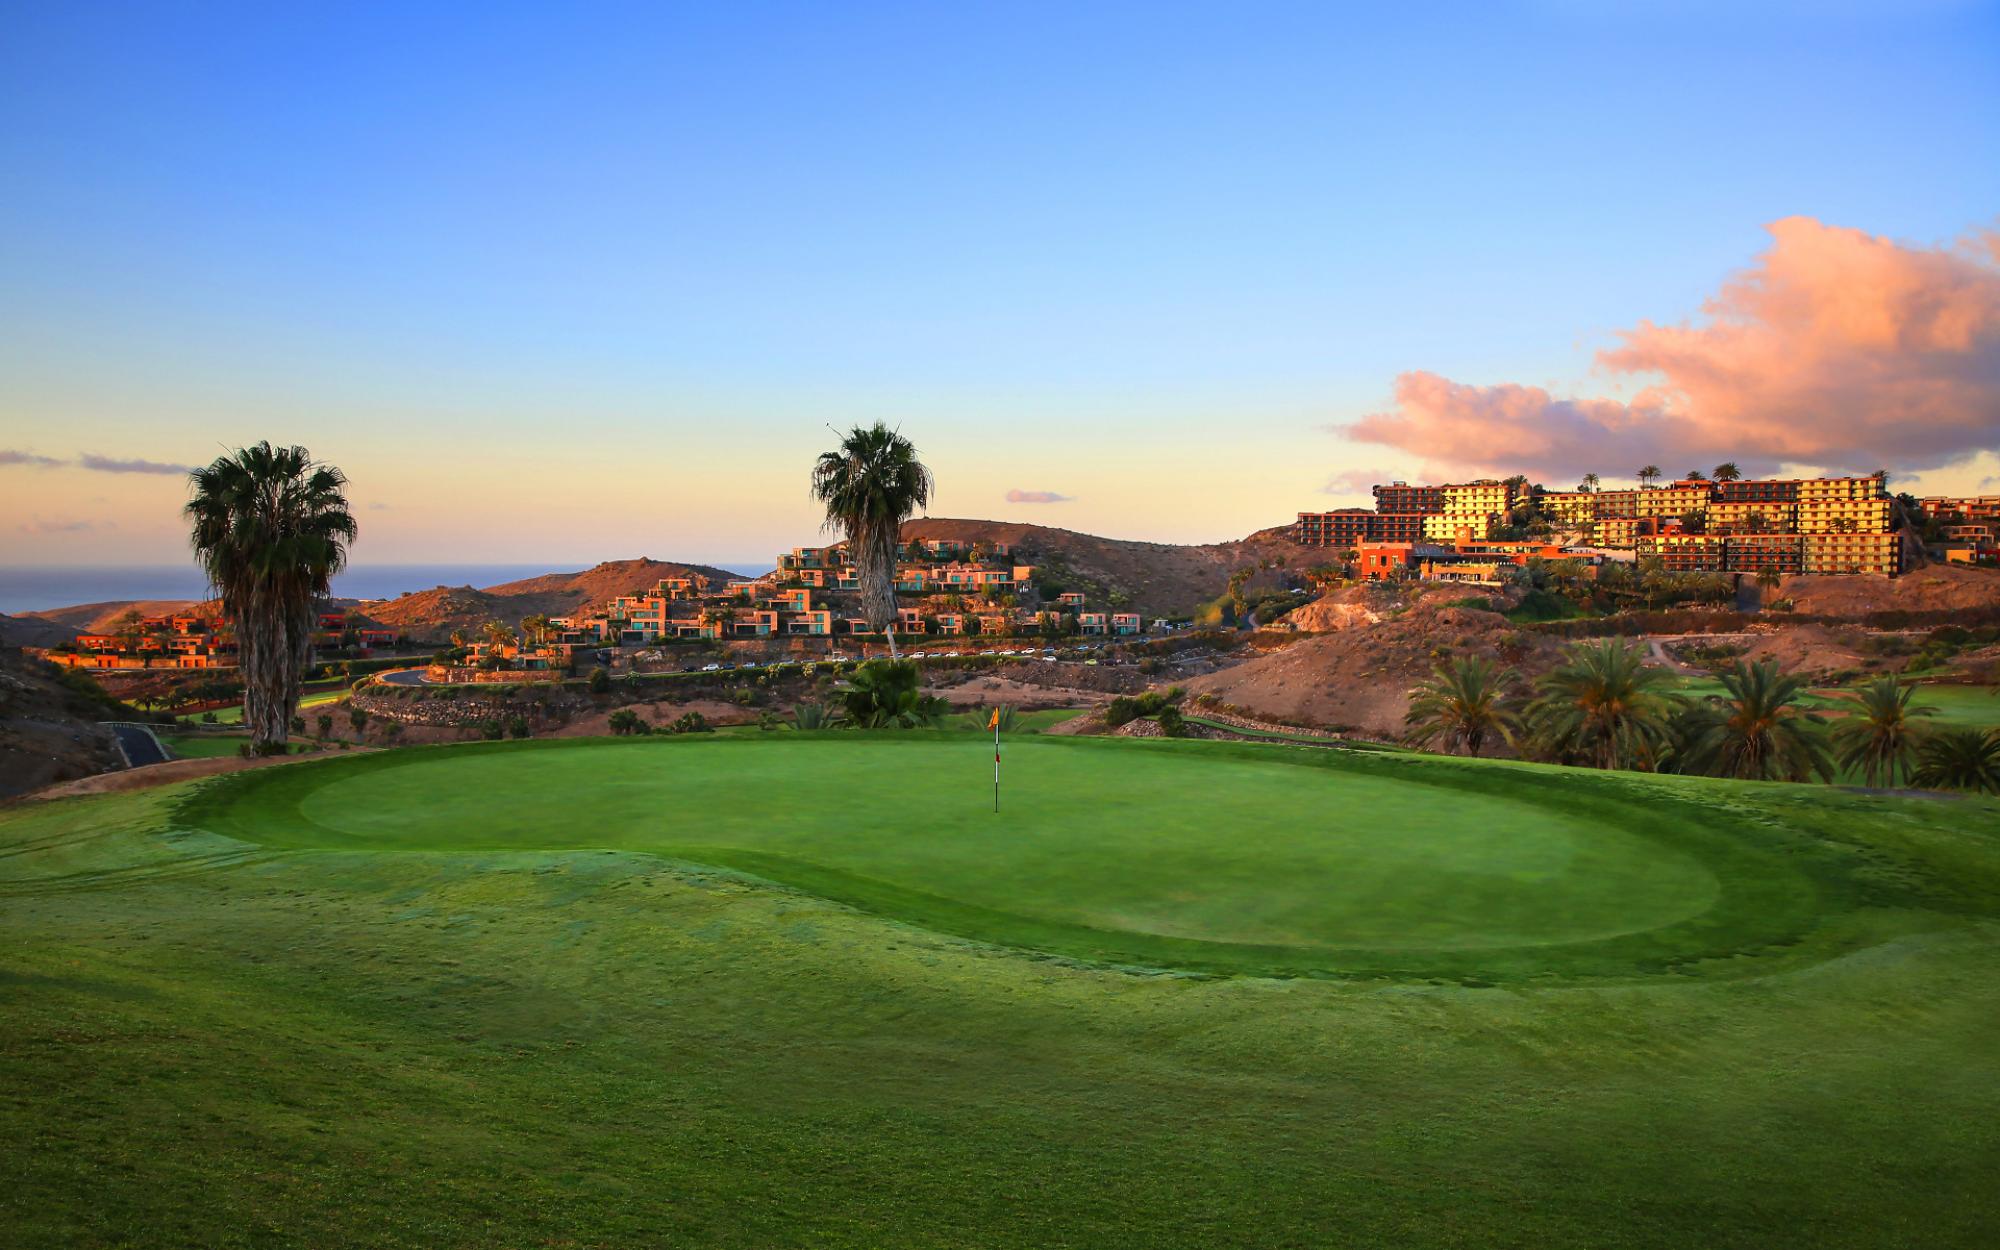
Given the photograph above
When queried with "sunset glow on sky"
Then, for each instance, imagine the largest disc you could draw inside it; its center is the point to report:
(565, 284)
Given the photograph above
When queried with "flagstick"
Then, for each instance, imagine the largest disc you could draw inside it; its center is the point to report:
(996, 763)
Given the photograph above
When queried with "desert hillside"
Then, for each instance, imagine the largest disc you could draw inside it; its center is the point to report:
(1931, 588)
(97, 618)
(1166, 579)
(1384, 641)
(434, 614)
(33, 631)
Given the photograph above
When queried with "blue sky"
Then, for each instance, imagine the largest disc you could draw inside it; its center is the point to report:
(584, 281)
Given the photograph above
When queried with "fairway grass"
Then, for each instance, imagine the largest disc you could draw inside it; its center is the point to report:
(1182, 856)
(797, 989)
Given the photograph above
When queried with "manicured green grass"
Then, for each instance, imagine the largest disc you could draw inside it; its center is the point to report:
(1950, 704)
(796, 989)
(233, 714)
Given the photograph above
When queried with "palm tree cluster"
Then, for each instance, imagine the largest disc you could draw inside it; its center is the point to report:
(1603, 706)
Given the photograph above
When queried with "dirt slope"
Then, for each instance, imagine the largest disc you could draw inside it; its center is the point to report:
(434, 614)
(1157, 579)
(1932, 588)
(1358, 678)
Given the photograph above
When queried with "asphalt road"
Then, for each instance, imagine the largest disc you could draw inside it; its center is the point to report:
(141, 747)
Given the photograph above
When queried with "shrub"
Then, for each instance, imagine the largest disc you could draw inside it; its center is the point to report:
(298, 724)
(600, 681)
(517, 727)
(767, 720)
(357, 717)
(491, 729)
(625, 721)
(812, 716)
(1171, 722)
(692, 723)
(1123, 710)
(325, 722)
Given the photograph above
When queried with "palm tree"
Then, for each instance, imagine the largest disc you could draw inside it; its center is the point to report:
(870, 485)
(1649, 475)
(1460, 705)
(535, 628)
(1589, 482)
(1727, 472)
(1758, 733)
(1604, 707)
(270, 528)
(1769, 579)
(1876, 739)
(1694, 475)
(883, 694)
(1959, 759)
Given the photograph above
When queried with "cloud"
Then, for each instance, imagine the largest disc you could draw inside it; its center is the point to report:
(378, 507)
(1837, 349)
(106, 464)
(39, 526)
(1356, 481)
(10, 456)
(91, 460)
(1037, 496)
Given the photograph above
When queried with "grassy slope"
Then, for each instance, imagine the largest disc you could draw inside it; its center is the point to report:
(210, 1044)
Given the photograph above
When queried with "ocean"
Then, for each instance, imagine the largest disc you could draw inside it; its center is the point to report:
(25, 589)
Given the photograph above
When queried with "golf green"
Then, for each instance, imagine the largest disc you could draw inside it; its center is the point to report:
(1189, 856)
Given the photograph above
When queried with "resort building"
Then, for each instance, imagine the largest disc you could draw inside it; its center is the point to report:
(1812, 525)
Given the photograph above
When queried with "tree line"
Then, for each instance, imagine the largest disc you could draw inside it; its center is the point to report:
(1604, 707)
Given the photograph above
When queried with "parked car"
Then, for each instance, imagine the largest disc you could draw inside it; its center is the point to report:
(710, 668)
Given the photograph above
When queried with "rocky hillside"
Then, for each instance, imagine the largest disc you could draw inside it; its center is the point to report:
(1158, 579)
(48, 728)
(1385, 641)
(1931, 588)
(434, 614)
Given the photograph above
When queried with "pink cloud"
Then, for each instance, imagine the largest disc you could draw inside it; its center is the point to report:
(1837, 349)
(1356, 481)
(1036, 496)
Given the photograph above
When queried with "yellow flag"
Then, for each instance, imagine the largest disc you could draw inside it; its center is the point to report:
(995, 722)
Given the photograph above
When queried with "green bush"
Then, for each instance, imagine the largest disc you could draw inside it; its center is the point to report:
(1171, 722)
(491, 729)
(691, 723)
(517, 727)
(600, 681)
(625, 721)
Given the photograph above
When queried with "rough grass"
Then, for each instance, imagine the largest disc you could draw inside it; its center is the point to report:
(212, 1039)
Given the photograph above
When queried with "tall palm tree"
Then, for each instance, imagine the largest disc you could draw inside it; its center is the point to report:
(1959, 759)
(1759, 732)
(1694, 475)
(1769, 579)
(1877, 738)
(270, 526)
(1462, 704)
(1603, 707)
(871, 484)
(1727, 472)
(1649, 475)
(1590, 481)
